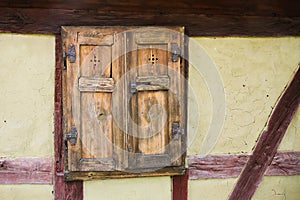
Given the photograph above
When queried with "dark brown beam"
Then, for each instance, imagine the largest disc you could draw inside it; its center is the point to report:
(229, 166)
(267, 8)
(62, 190)
(268, 141)
(49, 21)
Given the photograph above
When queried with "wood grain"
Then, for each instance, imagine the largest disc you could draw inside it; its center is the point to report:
(26, 170)
(268, 141)
(229, 166)
(263, 19)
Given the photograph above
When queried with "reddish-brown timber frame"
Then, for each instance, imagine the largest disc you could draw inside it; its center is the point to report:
(268, 142)
(62, 190)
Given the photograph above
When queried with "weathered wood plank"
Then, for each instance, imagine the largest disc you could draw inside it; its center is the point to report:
(229, 166)
(168, 171)
(268, 141)
(26, 170)
(36, 20)
(145, 83)
(96, 84)
(97, 164)
(216, 166)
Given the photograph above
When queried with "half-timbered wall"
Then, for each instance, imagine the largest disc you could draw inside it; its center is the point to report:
(253, 71)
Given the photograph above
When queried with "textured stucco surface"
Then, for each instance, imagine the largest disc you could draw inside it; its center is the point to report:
(254, 72)
(26, 192)
(210, 189)
(26, 96)
(278, 188)
(158, 188)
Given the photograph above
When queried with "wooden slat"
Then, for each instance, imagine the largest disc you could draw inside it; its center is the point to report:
(152, 160)
(36, 20)
(168, 171)
(97, 164)
(268, 141)
(230, 166)
(26, 170)
(96, 84)
(152, 83)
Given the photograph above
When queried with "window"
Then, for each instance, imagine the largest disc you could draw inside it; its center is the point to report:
(124, 105)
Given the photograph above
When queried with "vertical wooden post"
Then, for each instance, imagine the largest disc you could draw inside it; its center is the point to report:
(62, 190)
(180, 186)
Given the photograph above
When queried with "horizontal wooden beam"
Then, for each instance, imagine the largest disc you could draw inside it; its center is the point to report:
(26, 170)
(49, 20)
(221, 7)
(229, 166)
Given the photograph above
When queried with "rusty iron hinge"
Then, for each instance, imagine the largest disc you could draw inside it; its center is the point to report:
(176, 52)
(72, 135)
(71, 53)
(176, 130)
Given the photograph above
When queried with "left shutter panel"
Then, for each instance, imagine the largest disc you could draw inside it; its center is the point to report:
(90, 89)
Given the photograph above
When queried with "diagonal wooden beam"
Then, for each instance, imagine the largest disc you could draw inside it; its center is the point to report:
(268, 142)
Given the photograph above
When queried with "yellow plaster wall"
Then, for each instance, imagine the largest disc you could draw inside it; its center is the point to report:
(158, 188)
(27, 66)
(26, 96)
(26, 192)
(210, 189)
(254, 72)
(278, 188)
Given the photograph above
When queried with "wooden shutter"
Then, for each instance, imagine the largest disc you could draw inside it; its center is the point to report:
(90, 96)
(123, 101)
(156, 104)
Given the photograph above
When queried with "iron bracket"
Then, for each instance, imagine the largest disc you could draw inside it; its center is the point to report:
(72, 136)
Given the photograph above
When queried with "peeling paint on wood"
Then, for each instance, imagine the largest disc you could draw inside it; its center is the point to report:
(229, 166)
(26, 170)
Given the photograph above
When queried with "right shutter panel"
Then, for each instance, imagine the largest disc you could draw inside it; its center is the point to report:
(156, 99)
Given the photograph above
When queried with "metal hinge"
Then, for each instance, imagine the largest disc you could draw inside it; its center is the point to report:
(176, 52)
(72, 135)
(71, 53)
(176, 130)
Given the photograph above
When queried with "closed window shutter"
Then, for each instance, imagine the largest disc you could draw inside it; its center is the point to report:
(123, 99)
(156, 99)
